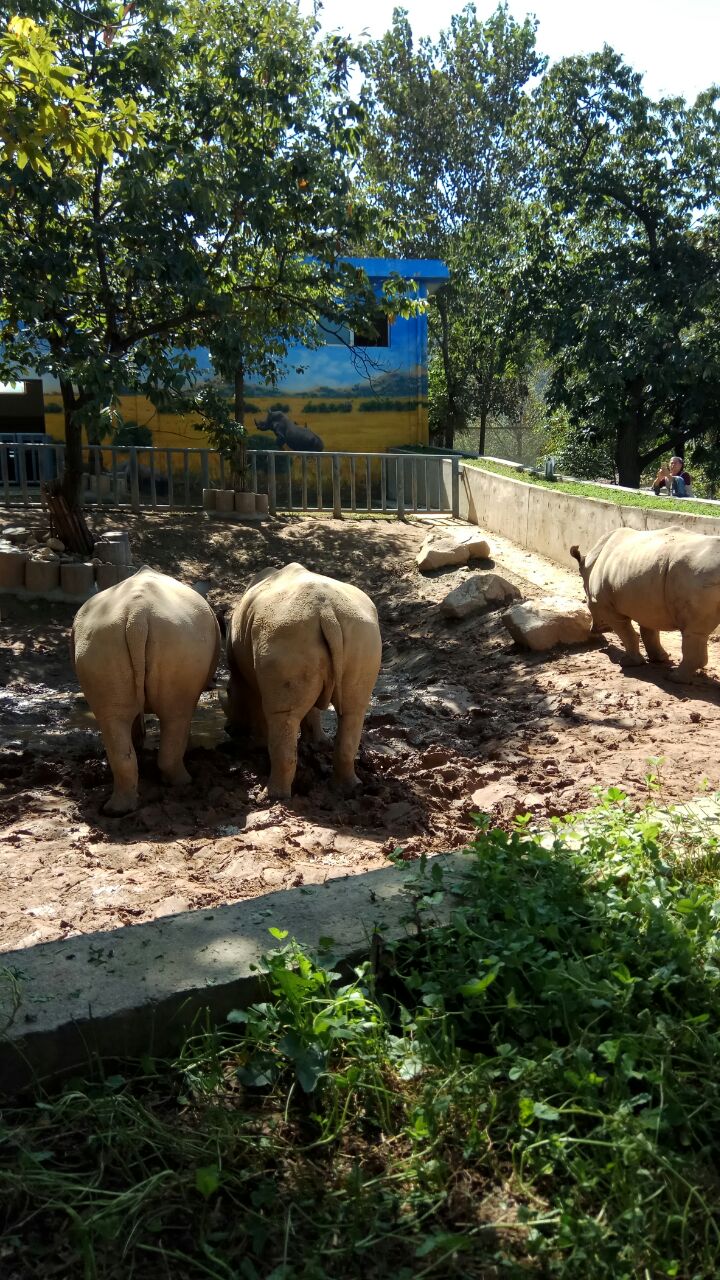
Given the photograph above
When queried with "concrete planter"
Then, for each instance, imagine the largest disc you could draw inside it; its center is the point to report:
(209, 497)
(224, 500)
(42, 575)
(261, 504)
(12, 569)
(245, 503)
(77, 579)
(112, 552)
(125, 571)
(107, 575)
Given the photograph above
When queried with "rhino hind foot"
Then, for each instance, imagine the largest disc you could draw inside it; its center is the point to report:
(117, 806)
(345, 786)
(680, 676)
(178, 778)
(632, 660)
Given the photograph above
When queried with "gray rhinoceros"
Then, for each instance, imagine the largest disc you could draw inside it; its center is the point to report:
(663, 579)
(289, 433)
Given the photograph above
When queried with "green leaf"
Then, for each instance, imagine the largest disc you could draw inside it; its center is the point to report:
(477, 985)
(280, 934)
(207, 1180)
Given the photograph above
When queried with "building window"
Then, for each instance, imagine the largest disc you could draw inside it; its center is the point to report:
(376, 335)
(12, 388)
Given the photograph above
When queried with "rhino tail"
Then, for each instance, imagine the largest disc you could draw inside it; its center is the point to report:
(333, 637)
(136, 634)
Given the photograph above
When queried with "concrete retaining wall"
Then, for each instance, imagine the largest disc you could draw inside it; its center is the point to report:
(550, 522)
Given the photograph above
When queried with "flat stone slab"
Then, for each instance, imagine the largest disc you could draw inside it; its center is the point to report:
(136, 989)
(481, 591)
(449, 546)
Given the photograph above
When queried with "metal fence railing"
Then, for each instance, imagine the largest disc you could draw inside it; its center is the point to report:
(171, 479)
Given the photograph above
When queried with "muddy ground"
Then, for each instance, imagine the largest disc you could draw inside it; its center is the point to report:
(461, 720)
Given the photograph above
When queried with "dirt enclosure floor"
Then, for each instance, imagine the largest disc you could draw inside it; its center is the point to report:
(462, 720)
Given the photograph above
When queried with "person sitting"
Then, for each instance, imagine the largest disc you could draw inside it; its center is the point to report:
(675, 477)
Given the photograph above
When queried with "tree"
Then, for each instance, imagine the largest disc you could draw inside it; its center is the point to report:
(235, 203)
(625, 261)
(47, 111)
(444, 166)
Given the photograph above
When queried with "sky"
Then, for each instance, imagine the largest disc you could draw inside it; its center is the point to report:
(674, 43)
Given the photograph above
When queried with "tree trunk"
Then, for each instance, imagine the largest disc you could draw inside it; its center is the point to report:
(62, 496)
(239, 465)
(72, 474)
(627, 454)
(483, 428)
(240, 392)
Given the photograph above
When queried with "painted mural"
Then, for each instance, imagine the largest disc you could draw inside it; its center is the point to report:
(370, 403)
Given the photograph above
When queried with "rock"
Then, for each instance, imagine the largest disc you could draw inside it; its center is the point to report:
(542, 624)
(481, 591)
(16, 533)
(45, 553)
(54, 544)
(451, 546)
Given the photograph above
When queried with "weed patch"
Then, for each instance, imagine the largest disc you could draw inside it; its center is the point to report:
(531, 1088)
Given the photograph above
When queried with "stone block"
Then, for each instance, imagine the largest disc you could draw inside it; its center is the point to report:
(106, 575)
(209, 497)
(12, 569)
(552, 620)
(42, 575)
(77, 579)
(224, 500)
(245, 503)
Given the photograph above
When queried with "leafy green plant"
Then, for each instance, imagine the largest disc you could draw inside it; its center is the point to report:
(530, 1086)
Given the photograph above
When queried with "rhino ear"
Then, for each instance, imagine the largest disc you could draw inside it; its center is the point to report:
(575, 553)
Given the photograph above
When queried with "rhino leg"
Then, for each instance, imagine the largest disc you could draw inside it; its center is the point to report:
(629, 638)
(117, 737)
(282, 736)
(694, 658)
(312, 730)
(174, 734)
(653, 647)
(347, 743)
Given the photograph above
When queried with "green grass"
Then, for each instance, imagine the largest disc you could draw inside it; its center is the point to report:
(530, 1089)
(621, 497)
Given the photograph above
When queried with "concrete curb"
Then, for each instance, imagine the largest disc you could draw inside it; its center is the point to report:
(136, 989)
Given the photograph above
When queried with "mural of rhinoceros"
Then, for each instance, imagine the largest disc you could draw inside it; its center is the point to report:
(289, 434)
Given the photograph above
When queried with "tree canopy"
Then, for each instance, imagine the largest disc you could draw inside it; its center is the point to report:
(228, 215)
(623, 241)
(444, 156)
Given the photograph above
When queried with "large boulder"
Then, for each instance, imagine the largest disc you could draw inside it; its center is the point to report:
(481, 591)
(542, 624)
(451, 546)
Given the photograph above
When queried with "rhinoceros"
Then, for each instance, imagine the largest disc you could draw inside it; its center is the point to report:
(289, 433)
(298, 641)
(665, 580)
(148, 644)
